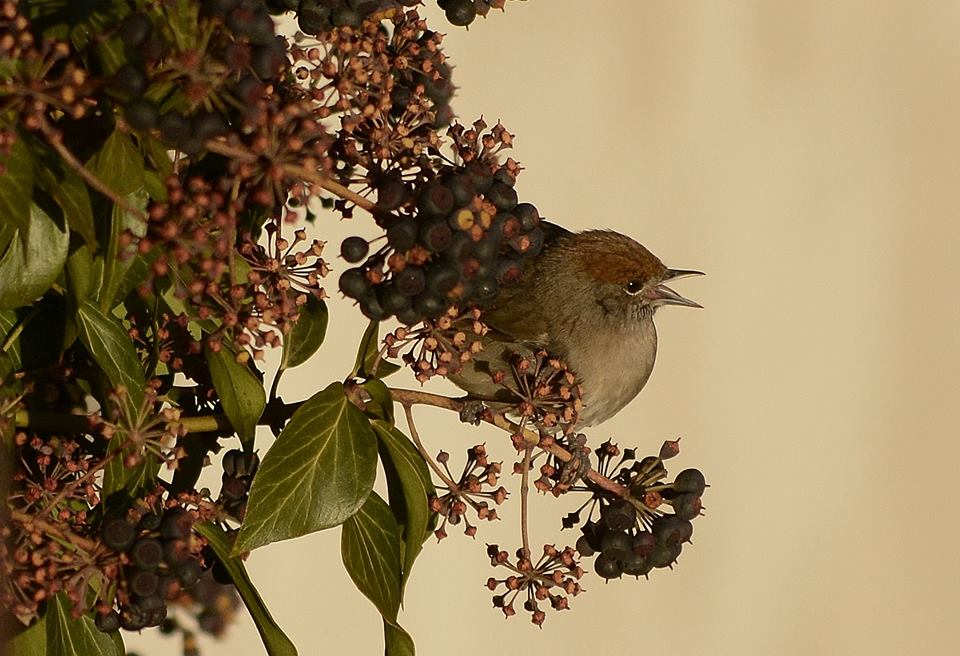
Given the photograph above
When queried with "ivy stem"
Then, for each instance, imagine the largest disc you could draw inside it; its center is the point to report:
(415, 435)
(524, 503)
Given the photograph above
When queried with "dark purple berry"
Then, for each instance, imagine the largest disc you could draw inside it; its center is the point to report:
(176, 524)
(435, 200)
(607, 567)
(411, 281)
(687, 506)
(118, 533)
(354, 249)
(130, 80)
(354, 283)
(134, 30)
(528, 215)
(402, 234)
(690, 480)
(436, 235)
(141, 114)
(107, 622)
(143, 583)
(503, 197)
(616, 544)
(430, 305)
(146, 553)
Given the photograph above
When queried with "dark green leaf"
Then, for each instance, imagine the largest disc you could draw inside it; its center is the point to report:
(110, 346)
(8, 321)
(398, 642)
(32, 641)
(136, 273)
(33, 260)
(183, 23)
(16, 186)
(406, 470)
(368, 364)
(66, 635)
(307, 334)
(118, 164)
(370, 548)
(274, 640)
(70, 192)
(317, 474)
(381, 402)
(79, 275)
(117, 261)
(241, 392)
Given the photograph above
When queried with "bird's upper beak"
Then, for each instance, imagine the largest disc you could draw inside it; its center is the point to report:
(663, 295)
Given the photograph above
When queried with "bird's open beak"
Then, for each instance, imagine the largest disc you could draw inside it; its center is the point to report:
(663, 295)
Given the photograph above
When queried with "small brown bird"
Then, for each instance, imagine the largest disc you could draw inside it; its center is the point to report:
(588, 298)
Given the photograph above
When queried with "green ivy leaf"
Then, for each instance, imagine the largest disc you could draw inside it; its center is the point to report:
(16, 186)
(66, 635)
(33, 261)
(118, 164)
(8, 322)
(367, 365)
(241, 392)
(317, 474)
(397, 641)
(370, 548)
(410, 489)
(79, 275)
(381, 402)
(276, 642)
(116, 263)
(110, 346)
(32, 641)
(306, 336)
(70, 192)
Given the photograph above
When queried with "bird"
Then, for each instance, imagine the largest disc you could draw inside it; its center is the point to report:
(588, 298)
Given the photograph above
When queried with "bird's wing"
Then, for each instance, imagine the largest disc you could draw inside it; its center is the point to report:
(532, 324)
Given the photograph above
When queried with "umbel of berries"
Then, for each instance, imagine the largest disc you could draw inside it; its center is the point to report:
(453, 241)
(158, 561)
(634, 536)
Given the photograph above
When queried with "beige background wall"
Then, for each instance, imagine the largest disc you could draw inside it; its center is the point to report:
(804, 154)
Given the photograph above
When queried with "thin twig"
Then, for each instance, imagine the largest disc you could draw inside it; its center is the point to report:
(417, 397)
(53, 529)
(415, 435)
(294, 170)
(524, 504)
(55, 139)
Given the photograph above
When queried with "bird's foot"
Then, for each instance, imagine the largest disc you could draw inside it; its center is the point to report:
(472, 411)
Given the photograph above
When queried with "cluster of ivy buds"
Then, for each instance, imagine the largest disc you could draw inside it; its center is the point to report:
(554, 579)
(541, 390)
(438, 347)
(469, 490)
(160, 556)
(239, 469)
(48, 73)
(633, 535)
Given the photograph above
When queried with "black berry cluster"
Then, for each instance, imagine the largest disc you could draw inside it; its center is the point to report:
(159, 560)
(238, 471)
(634, 534)
(241, 53)
(317, 15)
(453, 240)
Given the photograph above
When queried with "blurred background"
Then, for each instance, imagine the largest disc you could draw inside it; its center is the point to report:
(806, 155)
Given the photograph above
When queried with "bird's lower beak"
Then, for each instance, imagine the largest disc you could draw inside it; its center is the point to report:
(663, 295)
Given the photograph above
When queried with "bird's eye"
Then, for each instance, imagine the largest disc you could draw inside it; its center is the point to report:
(633, 287)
